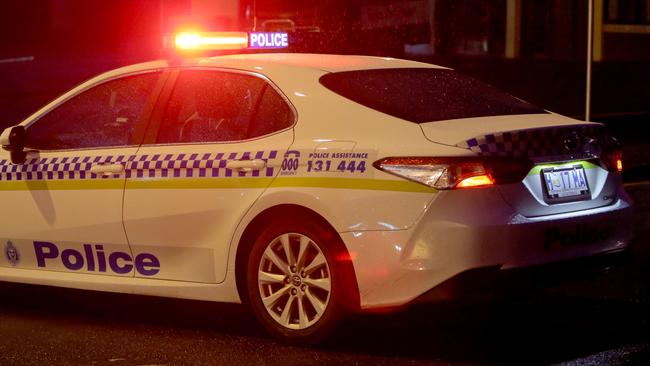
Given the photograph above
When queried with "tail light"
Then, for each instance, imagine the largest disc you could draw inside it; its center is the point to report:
(611, 155)
(613, 160)
(456, 172)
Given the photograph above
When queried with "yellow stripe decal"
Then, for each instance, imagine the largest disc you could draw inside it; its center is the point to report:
(212, 183)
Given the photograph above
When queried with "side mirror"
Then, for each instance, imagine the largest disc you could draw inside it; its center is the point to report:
(13, 140)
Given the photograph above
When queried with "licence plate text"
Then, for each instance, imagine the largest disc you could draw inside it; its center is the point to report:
(563, 184)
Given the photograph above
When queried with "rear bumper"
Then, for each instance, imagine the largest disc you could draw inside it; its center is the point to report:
(396, 267)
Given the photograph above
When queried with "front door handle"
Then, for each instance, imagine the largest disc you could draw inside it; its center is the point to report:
(246, 165)
(107, 169)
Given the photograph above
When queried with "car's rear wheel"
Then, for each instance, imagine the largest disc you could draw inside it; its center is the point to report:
(294, 281)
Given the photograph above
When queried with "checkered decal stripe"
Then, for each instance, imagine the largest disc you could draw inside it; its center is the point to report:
(535, 143)
(139, 166)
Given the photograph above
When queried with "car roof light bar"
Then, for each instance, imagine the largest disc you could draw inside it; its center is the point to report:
(213, 41)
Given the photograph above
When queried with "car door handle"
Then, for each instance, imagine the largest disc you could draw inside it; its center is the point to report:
(246, 165)
(107, 169)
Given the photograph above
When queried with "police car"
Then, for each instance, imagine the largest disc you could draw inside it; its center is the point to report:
(307, 186)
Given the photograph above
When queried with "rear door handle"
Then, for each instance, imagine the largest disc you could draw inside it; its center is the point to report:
(246, 165)
(107, 169)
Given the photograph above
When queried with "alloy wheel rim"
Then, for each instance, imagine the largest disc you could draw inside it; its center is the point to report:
(294, 281)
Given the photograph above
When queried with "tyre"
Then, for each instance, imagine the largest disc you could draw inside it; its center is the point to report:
(294, 280)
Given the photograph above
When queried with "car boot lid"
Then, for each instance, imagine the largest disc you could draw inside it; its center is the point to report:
(536, 136)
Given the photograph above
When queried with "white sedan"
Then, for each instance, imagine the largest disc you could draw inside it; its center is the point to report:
(307, 186)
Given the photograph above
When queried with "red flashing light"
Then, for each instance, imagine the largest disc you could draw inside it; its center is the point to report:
(195, 41)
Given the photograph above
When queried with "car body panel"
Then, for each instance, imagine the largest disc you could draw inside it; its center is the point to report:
(54, 198)
(206, 201)
(224, 292)
(395, 267)
(452, 132)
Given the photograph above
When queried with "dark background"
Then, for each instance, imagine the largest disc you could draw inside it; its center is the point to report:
(534, 49)
(48, 46)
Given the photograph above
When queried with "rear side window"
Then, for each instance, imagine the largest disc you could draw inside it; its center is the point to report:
(273, 114)
(217, 106)
(425, 95)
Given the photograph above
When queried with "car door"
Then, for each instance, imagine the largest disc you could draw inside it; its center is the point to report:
(217, 146)
(63, 204)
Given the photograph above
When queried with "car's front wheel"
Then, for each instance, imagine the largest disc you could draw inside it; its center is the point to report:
(295, 281)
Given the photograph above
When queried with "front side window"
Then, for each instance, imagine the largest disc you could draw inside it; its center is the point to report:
(103, 116)
(216, 106)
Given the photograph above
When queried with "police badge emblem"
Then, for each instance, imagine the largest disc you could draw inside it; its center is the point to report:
(12, 253)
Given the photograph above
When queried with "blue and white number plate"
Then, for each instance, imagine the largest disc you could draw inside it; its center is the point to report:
(565, 184)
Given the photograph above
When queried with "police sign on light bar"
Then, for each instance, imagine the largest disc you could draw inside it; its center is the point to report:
(268, 40)
(198, 41)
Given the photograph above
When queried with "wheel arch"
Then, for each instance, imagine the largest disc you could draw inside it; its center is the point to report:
(266, 217)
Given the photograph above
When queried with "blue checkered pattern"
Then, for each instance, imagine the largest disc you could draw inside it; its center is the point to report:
(136, 166)
(547, 142)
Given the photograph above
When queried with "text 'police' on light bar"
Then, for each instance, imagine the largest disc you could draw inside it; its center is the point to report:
(265, 40)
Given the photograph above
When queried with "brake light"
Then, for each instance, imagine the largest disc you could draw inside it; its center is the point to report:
(456, 172)
(477, 181)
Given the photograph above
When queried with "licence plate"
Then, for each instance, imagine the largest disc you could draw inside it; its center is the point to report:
(565, 184)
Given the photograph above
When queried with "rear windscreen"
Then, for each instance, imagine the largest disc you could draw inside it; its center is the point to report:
(424, 95)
